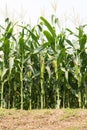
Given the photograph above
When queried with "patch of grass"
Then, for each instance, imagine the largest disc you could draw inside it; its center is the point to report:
(74, 128)
(41, 111)
(5, 112)
(69, 113)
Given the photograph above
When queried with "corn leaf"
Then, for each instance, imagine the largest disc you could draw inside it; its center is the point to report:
(48, 25)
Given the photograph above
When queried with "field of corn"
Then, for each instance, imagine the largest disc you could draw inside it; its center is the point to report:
(43, 66)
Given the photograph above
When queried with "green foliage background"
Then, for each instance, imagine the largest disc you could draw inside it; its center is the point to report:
(43, 66)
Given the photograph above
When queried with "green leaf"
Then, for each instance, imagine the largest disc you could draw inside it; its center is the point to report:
(48, 36)
(71, 32)
(50, 39)
(6, 46)
(7, 20)
(21, 45)
(9, 33)
(48, 25)
(40, 28)
(8, 26)
(69, 42)
(34, 37)
(82, 42)
(61, 38)
(40, 48)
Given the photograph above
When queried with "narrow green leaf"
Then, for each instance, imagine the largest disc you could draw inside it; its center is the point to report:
(48, 25)
(69, 42)
(82, 42)
(71, 32)
(40, 48)
(35, 38)
(7, 28)
(50, 39)
(48, 36)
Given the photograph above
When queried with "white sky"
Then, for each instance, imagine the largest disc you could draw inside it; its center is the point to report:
(68, 11)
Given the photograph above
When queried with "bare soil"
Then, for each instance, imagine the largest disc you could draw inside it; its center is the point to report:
(48, 119)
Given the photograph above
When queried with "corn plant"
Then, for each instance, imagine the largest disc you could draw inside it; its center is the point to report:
(7, 63)
(78, 58)
(56, 42)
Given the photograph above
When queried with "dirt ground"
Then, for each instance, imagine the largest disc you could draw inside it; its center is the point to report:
(63, 119)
